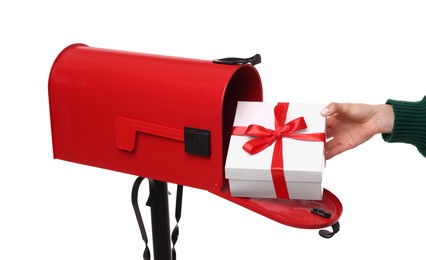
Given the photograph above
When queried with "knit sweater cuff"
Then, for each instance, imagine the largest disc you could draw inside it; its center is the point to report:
(409, 125)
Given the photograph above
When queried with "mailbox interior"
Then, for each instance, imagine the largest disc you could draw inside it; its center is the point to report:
(245, 85)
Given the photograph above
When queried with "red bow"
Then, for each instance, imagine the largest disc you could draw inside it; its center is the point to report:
(265, 137)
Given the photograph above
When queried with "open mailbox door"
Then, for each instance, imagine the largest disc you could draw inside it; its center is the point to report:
(164, 118)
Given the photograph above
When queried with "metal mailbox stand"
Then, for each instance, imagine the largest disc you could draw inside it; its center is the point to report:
(160, 220)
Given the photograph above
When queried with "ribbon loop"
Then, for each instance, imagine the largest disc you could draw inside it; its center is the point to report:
(258, 130)
(295, 125)
(258, 144)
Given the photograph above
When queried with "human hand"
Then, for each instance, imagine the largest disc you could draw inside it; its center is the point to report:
(349, 125)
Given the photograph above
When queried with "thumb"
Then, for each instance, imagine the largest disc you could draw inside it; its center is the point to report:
(334, 108)
(328, 110)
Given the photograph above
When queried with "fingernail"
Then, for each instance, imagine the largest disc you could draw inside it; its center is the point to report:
(325, 111)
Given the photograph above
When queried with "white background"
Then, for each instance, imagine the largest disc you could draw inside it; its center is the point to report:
(313, 51)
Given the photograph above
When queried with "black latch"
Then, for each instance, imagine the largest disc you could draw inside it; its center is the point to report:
(197, 141)
(321, 212)
(256, 59)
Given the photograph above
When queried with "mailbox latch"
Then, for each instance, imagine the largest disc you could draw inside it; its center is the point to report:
(256, 59)
(197, 141)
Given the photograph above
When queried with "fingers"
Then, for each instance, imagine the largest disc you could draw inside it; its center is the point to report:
(329, 110)
(333, 148)
(337, 108)
(334, 113)
(325, 111)
(331, 123)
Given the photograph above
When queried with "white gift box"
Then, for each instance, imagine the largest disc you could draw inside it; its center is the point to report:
(250, 175)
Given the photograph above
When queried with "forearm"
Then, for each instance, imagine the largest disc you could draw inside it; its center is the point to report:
(409, 124)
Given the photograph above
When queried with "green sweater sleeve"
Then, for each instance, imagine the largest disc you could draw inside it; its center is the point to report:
(409, 125)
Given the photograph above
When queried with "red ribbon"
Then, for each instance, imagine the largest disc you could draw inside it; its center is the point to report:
(265, 137)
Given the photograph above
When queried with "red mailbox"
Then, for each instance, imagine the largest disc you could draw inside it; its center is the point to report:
(164, 118)
(130, 112)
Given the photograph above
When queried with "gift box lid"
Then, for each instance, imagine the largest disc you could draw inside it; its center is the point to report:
(303, 160)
